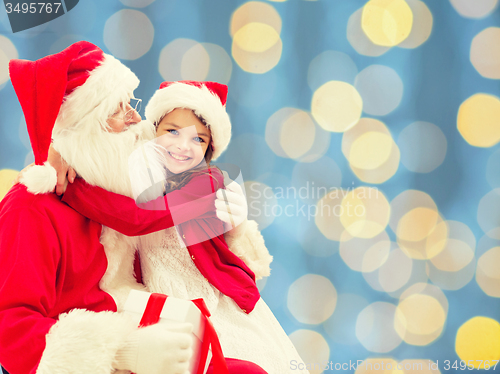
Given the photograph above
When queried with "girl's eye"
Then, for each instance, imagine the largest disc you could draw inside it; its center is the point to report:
(198, 139)
(173, 132)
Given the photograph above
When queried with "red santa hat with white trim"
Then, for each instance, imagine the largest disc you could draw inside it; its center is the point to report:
(205, 99)
(67, 96)
(78, 87)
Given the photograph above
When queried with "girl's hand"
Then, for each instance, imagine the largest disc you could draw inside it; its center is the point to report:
(65, 173)
(231, 207)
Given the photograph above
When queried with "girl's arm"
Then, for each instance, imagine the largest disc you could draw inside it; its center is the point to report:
(122, 214)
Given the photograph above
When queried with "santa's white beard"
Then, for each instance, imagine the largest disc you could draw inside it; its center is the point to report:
(102, 158)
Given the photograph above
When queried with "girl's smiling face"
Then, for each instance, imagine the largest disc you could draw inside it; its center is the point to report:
(185, 139)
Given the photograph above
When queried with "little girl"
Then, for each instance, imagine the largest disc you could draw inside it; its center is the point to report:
(192, 260)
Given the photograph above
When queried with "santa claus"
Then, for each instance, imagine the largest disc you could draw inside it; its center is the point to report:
(64, 277)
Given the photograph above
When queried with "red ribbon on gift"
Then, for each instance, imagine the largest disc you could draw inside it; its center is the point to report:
(152, 315)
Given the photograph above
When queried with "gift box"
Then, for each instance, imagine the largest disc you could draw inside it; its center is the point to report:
(149, 308)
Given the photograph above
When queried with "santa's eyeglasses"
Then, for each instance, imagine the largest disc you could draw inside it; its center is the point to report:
(135, 106)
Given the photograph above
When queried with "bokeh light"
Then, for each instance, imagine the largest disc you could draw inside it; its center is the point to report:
(421, 314)
(387, 22)
(423, 147)
(459, 249)
(8, 51)
(358, 39)
(328, 218)
(128, 34)
(381, 89)
(312, 299)
(186, 59)
(375, 327)
(478, 118)
(255, 28)
(292, 133)
(422, 25)
(6, 178)
(370, 144)
(342, 324)
(475, 8)
(487, 275)
(331, 66)
(365, 212)
(485, 54)
(365, 255)
(419, 227)
(336, 106)
(478, 340)
(312, 348)
(488, 213)
(255, 11)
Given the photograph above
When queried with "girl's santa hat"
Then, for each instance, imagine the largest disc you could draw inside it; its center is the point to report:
(205, 99)
(75, 90)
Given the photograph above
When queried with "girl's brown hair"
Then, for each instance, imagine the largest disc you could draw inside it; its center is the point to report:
(179, 180)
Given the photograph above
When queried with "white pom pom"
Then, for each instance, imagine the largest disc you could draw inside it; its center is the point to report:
(40, 178)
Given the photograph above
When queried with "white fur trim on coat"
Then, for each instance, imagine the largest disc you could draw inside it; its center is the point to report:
(202, 101)
(108, 85)
(39, 179)
(84, 342)
(249, 245)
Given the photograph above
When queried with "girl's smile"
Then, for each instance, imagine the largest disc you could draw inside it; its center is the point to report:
(185, 140)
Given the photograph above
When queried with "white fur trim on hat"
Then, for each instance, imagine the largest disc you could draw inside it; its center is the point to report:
(39, 179)
(200, 100)
(90, 104)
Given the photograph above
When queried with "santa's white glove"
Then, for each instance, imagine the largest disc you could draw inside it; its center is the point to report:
(157, 349)
(231, 208)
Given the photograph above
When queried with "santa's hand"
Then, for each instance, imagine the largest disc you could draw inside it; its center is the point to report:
(231, 207)
(18, 176)
(157, 349)
(64, 172)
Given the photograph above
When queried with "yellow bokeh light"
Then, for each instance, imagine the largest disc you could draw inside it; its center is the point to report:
(422, 25)
(336, 106)
(485, 54)
(365, 212)
(387, 22)
(478, 340)
(370, 150)
(257, 63)
(6, 178)
(487, 276)
(478, 120)
(364, 255)
(420, 314)
(297, 134)
(429, 246)
(358, 39)
(417, 224)
(489, 262)
(256, 37)
(328, 218)
(255, 11)
(384, 171)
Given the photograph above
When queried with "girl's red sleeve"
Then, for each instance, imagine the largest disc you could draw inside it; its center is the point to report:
(122, 214)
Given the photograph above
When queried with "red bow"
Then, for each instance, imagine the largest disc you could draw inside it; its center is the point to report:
(152, 315)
